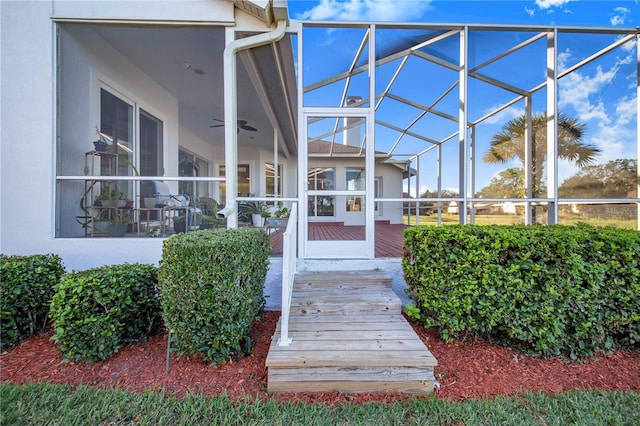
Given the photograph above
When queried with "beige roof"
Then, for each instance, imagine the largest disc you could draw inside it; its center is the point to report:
(324, 147)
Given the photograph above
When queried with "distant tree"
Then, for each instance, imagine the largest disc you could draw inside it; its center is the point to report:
(508, 184)
(445, 193)
(615, 179)
(432, 193)
(510, 143)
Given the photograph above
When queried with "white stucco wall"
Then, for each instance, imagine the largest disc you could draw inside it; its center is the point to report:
(154, 10)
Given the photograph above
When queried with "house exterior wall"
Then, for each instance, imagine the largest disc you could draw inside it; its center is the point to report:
(391, 179)
(176, 10)
(28, 116)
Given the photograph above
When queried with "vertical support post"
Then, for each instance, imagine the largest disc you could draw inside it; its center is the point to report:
(370, 148)
(230, 129)
(410, 204)
(276, 181)
(439, 163)
(552, 127)
(462, 125)
(472, 170)
(638, 123)
(528, 162)
(418, 189)
(303, 166)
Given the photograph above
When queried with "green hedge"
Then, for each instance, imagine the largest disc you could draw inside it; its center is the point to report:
(551, 290)
(211, 284)
(26, 289)
(96, 310)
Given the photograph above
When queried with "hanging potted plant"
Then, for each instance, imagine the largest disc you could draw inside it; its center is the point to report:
(280, 217)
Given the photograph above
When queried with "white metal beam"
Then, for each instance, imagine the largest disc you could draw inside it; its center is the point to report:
(527, 159)
(552, 126)
(462, 124)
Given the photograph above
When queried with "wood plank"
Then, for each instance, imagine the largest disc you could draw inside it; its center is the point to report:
(351, 319)
(341, 335)
(350, 309)
(407, 387)
(340, 295)
(378, 358)
(353, 345)
(320, 278)
(351, 373)
(390, 327)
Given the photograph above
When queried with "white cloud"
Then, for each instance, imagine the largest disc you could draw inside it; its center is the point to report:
(577, 89)
(530, 12)
(620, 15)
(626, 110)
(503, 116)
(546, 4)
(367, 10)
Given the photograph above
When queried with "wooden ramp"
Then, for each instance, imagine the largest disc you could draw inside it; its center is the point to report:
(348, 335)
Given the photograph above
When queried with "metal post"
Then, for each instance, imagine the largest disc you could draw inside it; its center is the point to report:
(472, 170)
(276, 193)
(528, 162)
(439, 160)
(638, 123)
(462, 125)
(552, 127)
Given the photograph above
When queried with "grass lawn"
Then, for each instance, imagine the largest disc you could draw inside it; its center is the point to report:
(47, 404)
(506, 219)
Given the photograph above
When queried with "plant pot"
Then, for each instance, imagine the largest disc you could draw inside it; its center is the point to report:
(257, 220)
(206, 226)
(118, 230)
(278, 222)
(100, 146)
(101, 227)
(121, 203)
(179, 227)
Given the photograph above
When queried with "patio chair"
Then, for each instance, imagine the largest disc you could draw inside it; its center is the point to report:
(175, 204)
(208, 205)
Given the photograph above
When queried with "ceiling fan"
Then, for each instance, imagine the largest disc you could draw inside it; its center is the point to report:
(242, 124)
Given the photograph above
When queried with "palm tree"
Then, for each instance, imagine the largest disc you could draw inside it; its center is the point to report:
(509, 143)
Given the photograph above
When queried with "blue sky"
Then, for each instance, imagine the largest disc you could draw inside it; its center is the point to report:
(602, 94)
(608, 13)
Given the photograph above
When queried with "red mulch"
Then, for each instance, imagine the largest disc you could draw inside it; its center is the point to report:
(470, 369)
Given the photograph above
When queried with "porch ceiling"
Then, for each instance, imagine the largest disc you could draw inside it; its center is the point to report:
(187, 62)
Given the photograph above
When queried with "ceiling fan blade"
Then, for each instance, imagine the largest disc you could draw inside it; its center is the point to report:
(242, 124)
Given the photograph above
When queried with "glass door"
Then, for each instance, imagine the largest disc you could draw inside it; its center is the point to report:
(338, 215)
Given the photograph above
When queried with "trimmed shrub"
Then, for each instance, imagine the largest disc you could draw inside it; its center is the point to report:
(26, 289)
(96, 310)
(550, 290)
(211, 285)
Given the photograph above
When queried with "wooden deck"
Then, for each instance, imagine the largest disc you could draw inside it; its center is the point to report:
(348, 335)
(388, 237)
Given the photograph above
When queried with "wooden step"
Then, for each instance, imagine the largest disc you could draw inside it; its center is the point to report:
(375, 356)
(306, 281)
(345, 302)
(348, 335)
